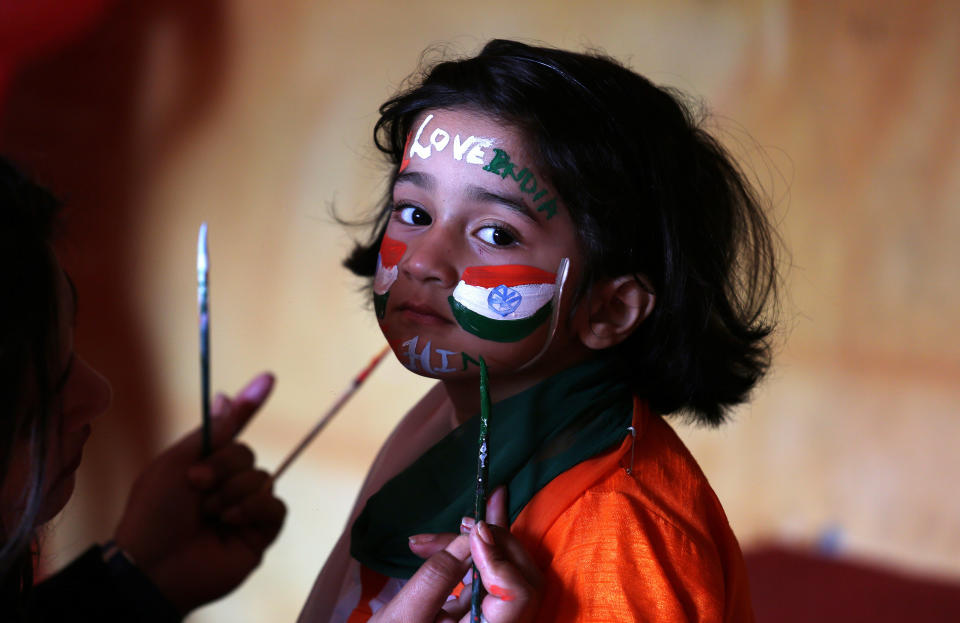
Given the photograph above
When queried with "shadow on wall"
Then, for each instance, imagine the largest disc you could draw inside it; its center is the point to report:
(791, 585)
(74, 117)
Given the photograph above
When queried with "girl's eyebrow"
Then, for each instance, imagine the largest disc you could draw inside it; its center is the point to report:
(423, 180)
(428, 182)
(513, 202)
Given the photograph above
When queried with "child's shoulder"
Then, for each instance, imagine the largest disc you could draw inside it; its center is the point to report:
(423, 425)
(657, 532)
(650, 478)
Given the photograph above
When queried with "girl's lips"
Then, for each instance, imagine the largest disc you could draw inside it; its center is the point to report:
(421, 314)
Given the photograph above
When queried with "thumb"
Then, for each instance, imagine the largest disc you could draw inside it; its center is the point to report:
(427, 590)
(232, 416)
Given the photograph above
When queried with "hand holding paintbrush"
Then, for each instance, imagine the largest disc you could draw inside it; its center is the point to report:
(512, 580)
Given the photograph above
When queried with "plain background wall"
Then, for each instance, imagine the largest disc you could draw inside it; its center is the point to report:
(257, 116)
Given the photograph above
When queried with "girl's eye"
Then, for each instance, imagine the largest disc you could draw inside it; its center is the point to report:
(412, 215)
(497, 236)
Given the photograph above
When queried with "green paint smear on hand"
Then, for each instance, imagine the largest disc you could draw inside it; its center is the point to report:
(498, 330)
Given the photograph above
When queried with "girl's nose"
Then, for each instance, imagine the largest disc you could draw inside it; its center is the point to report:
(87, 395)
(431, 258)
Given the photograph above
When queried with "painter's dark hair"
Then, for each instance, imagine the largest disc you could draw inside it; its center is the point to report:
(29, 357)
(649, 192)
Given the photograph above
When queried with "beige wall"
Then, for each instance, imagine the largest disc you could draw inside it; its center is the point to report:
(256, 117)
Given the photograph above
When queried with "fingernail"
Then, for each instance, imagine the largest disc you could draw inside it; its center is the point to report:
(466, 525)
(485, 533)
(422, 539)
(219, 405)
(258, 388)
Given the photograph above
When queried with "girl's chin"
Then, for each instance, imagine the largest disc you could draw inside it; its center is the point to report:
(454, 360)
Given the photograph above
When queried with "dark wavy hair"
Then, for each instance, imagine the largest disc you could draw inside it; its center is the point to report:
(28, 361)
(649, 191)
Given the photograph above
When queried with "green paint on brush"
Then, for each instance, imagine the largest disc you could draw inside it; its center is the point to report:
(483, 468)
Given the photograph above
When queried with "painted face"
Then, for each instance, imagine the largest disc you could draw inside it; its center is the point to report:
(469, 262)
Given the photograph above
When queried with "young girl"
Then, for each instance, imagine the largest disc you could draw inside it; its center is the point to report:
(571, 223)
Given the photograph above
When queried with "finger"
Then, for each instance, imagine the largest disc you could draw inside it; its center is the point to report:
(241, 409)
(514, 552)
(455, 609)
(220, 466)
(258, 507)
(497, 508)
(262, 519)
(507, 573)
(235, 489)
(426, 545)
(428, 588)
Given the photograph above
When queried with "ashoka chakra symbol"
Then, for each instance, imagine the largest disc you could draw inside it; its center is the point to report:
(504, 300)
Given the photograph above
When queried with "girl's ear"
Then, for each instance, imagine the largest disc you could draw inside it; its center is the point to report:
(615, 308)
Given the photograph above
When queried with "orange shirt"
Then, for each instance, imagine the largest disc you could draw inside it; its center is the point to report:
(652, 545)
(649, 545)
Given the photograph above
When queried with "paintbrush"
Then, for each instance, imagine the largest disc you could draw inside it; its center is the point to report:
(332, 411)
(480, 500)
(203, 305)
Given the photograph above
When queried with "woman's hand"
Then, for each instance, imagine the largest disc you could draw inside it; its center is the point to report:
(508, 573)
(198, 526)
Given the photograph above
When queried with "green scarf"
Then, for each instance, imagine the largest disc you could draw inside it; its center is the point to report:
(533, 437)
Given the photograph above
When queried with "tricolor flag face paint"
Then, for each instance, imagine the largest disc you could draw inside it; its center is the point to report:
(503, 303)
(390, 253)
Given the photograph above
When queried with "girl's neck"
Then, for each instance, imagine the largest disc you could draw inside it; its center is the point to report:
(465, 393)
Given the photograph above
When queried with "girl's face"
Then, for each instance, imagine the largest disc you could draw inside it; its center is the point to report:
(82, 395)
(468, 264)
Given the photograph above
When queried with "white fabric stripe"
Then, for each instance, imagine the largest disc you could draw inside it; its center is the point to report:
(349, 597)
(534, 296)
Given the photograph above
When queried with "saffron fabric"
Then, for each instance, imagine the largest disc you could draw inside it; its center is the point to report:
(651, 545)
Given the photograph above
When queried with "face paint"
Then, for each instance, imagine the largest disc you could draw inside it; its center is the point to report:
(469, 149)
(405, 162)
(390, 253)
(501, 165)
(562, 272)
(420, 361)
(427, 141)
(503, 303)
